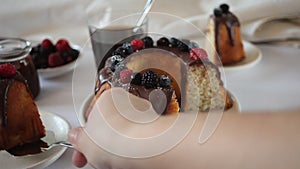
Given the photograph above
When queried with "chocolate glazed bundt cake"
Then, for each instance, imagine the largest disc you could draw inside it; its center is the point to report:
(178, 69)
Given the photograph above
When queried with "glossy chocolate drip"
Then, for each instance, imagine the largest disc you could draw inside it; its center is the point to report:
(29, 148)
(143, 92)
(231, 22)
(5, 83)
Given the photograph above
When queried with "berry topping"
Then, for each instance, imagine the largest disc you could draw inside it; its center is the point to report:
(47, 44)
(150, 79)
(224, 8)
(218, 12)
(55, 59)
(163, 42)
(174, 42)
(136, 78)
(125, 75)
(148, 41)
(164, 81)
(7, 70)
(137, 44)
(62, 45)
(198, 53)
(128, 48)
(113, 61)
(182, 46)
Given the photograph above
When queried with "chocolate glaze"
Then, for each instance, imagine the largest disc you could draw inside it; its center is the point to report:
(230, 21)
(143, 92)
(5, 83)
(29, 148)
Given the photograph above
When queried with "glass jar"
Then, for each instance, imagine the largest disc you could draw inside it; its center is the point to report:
(17, 52)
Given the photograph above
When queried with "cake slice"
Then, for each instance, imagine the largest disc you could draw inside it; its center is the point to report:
(223, 38)
(20, 122)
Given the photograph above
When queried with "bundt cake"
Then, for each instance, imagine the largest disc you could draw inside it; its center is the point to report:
(20, 122)
(223, 38)
(174, 75)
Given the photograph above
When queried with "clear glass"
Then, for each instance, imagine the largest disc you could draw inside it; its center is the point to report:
(17, 52)
(109, 28)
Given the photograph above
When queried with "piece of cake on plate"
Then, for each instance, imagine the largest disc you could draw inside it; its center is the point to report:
(20, 125)
(223, 38)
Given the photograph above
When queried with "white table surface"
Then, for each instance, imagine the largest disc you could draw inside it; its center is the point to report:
(273, 84)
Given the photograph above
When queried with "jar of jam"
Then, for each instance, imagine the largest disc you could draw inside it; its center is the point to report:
(17, 52)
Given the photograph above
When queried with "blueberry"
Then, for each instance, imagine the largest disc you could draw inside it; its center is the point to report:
(150, 79)
(128, 49)
(148, 41)
(182, 46)
(136, 78)
(190, 44)
(163, 42)
(218, 12)
(164, 81)
(113, 61)
(224, 8)
(174, 42)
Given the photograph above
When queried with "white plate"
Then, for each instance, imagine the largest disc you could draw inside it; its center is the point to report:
(54, 124)
(253, 56)
(53, 72)
(236, 107)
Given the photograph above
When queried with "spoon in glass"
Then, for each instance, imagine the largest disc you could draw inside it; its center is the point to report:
(144, 14)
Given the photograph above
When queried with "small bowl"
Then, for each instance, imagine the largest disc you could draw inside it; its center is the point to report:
(52, 72)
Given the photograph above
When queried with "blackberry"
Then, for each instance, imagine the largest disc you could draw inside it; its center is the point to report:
(150, 79)
(164, 81)
(163, 42)
(218, 12)
(148, 41)
(136, 78)
(224, 8)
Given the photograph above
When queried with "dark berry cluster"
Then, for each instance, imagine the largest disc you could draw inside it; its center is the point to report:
(183, 45)
(222, 9)
(47, 54)
(150, 79)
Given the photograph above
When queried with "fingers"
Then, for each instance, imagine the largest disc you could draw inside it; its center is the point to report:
(79, 159)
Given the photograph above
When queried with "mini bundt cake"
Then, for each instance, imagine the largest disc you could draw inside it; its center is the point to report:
(223, 38)
(176, 69)
(20, 122)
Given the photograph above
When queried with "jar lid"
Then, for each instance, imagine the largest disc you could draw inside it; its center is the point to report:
(12, 48)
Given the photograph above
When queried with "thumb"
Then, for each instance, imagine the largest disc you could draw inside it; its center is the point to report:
(74, 137)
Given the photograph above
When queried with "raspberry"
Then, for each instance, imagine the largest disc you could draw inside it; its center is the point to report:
(47, 44)
(198, 53)
(55, 59)
(7, 70)
(125, 75)
(150, 79)
(137, 44)
(62, 45)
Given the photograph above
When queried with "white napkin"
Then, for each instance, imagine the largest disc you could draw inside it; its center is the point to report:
(260, 21)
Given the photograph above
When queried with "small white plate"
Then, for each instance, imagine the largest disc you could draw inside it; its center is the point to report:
(253, 56)
(54, 124)
(236, 107)
(53, 72)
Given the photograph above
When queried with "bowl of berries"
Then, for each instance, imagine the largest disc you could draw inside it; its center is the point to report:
(54, 59)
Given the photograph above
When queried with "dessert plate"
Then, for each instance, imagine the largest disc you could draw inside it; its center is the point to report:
(253, 56)
(56, 128)
(48, 73)
(81, 116)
